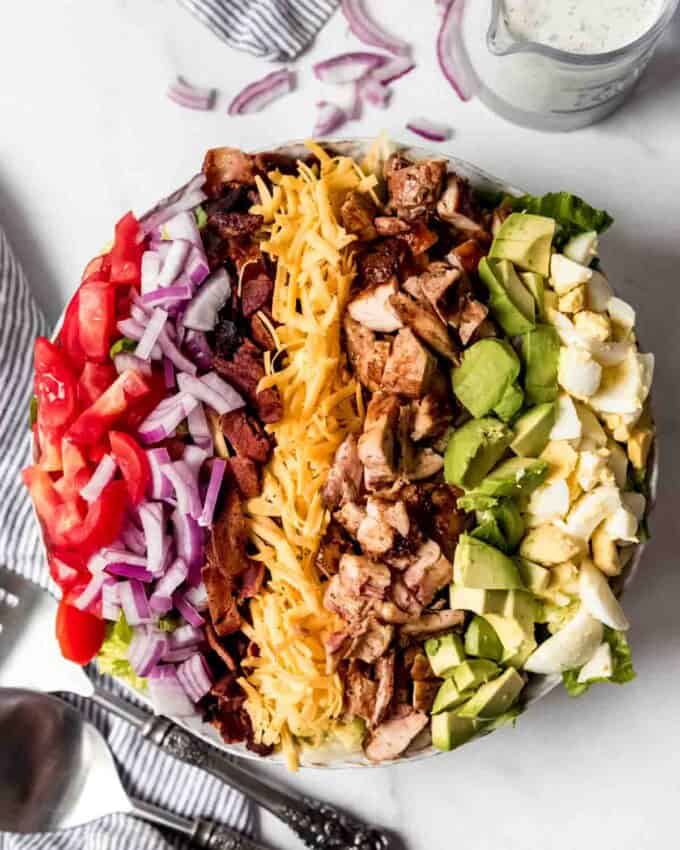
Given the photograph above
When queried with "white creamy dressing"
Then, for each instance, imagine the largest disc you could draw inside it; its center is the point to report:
(582, 26)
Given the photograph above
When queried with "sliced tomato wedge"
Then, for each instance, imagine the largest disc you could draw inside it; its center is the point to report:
(80, 634)
(69, 336)
(77, 470)
(98, 268)
(49, 443)
(127, 250)
(54, 385)
(64, 573)
(132, 462)
(94, 422)
(41, 487)
(97, 318)
(94, 380)
(101, 524)
(143, 406)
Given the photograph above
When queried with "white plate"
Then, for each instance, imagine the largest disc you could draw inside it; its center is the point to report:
(538, 686)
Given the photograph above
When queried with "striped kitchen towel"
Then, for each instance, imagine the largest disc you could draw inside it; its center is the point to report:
(145, 771)
(273, 29)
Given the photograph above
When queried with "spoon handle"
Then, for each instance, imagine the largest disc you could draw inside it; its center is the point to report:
(203, 833)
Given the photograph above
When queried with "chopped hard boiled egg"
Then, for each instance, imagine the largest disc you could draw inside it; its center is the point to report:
(635, 503)
(593, 325)
(582, 248)
(571, 647)
(621, 314)
(565, 274)
(600, 666)
(598, 598)
(592, 466)
(599, 292)
(624, 388)
(579, 373)
(622, 526)
(590, 510)
(549, 501)
(567, 422)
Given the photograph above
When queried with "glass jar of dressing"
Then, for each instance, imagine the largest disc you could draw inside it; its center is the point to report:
(558, 64)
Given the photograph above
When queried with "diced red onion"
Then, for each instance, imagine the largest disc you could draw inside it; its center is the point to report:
(134, 603)
(393, 70)
(368, 30)
(375, 93)
(201, 391)
(152, 333)
(162, 421)
(187, 635)
(169, 296)
(168, 374)
(201, 314)
(260, 93)
(190, 96)
(197, 268)
(233, 399)
(189, 542)
(112, 555)
(131, 329)
(125, 360)
(151, 268)
(174, 262)
(433, 131)
(194, 457)
(329, 118)
(347, 67)
(161, 599)
(133, 538)
(140, 312)
(153, 522)
(103, 475)
(217, 471)
(198, 596)
(197, 346)
(185, 198)
(159, 487)
(92, 592)
(110, 601)
(147, 647)
(200, 430)
(173, 353)
(186, 487)
(177, 655)
(356, 108)
(187, 610)
(183, 226)
(128, 571)
(195, 677)
(167, 694)
(449, 50)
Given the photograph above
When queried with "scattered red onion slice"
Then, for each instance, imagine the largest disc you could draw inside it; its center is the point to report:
(197, 346)
(103, 475)
(160, 486)
(110, 600)
(198, 596)
(375, 93)
(174, 262)
(260, 93)
(185, 486)
(197, 268)
(189, 542)
(185, 198)
(129, 571)
(201, 314)
(393, 70)
(173, 353)
(167, 694)
(213, 380)
(131, 328)
(186, 635)
(92, 592)
(169, 296)
(201, 391)
(152, 333)
(183, 226)
(134, 603)
(125, 360)
(195, 677)
(162, 421)
(433, 131)
(449, 49)
(160, 601)
(151, 268)
(366, 29)
(147, 647)
(330, 117)
(347, 67)
(133, 539)
(168, 374)
(216, 476)
(176, 656)
(190, 96)
(187, 610)
(200, 430)
(153, 520)
(195, 457)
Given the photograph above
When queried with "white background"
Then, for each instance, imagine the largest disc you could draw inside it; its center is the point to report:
(86, 133)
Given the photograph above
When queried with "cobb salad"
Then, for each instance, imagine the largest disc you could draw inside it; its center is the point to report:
(339, 451)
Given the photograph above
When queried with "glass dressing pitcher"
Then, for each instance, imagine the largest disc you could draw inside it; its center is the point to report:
(542, 86)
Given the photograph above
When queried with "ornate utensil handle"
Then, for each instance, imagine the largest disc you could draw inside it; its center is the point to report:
(319, 825)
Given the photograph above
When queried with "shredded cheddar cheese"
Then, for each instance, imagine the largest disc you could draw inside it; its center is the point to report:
(291, 698)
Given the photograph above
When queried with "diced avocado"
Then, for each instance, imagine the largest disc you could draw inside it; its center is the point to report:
(532, 430)
(445, 653)
(490, 532)
(512, 525)
(474, 672)
(541, 355)
(521, 605)
(476, 564)
(476, 600)
(473, 450)
(481, 640)
(511, 403)
(474, 501)
(526, 240)
(536, 286)
(450, 731)
(489, 367)
(534, 576)
(494, 697)
(510, 633)
(510, 302)
(515, 477)
(518, 658)
(448, 697)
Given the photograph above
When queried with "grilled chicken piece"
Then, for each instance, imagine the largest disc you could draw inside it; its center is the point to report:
(393, 513)
(402, 597)
(227, 165)
(366, 354)
(426, 324)
(362, 577)
(407, 449)
(360, 692)
(344, 479)
(392, 737)
(446, 521)
(372, 642)
(418, 664)
(429, 573)
(389, 612)
(469, 319)
(410, 366)
(424, 693)
(415, 189)
(333, 543)
(357, 213)
(382, 262)
(427, 464)
(438, 286)
(453, 207)
(432, 415)
(376, 444)
(434, 623)
(336, 645)
(350, 516)
(384, 671)
(375, 536)
(371, 308)
(469, 255)
(346, 604)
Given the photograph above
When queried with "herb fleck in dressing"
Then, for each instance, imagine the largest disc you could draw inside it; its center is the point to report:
(582, 26)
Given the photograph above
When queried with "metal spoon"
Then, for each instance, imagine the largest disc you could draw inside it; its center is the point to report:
(55, 768)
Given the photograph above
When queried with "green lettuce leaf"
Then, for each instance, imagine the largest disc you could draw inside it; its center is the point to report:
(572, 214)
(122, 345)
(623, 665)
(113, 655)
(201, 217)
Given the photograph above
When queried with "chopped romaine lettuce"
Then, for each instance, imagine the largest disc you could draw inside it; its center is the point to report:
(122, 345)
(201, 217)
(572, 214)
(623, 665)
(112, 658)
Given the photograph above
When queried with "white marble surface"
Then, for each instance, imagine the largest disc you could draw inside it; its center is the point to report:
(86, 133)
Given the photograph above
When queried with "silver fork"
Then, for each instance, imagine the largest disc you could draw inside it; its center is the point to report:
(27, 610)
